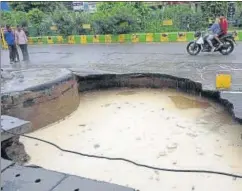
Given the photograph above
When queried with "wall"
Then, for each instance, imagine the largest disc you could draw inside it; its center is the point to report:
(123, 38)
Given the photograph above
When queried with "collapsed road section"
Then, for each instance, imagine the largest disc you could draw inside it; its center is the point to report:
(54, 94)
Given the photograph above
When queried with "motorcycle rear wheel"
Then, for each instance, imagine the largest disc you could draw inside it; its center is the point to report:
(193, 48)
(230, 46)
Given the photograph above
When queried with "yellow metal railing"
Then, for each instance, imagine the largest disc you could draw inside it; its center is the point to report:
(3, 42)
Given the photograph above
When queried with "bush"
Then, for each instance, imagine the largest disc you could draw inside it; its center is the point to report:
(70, 22)
(110, 18)
(116, 18)
(7, 18)
(36, 17)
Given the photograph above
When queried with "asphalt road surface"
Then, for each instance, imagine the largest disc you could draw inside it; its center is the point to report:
(166, 58)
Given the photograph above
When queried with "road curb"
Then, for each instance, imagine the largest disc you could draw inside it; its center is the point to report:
(121, 38)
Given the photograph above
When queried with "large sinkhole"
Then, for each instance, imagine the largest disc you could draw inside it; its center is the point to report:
(159, 127)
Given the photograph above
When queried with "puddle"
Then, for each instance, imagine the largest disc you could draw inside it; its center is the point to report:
(127, 93)
(183, 102)
(163, 128)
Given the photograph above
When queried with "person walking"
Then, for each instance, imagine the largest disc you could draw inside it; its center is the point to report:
(10, 39)
(22, 42)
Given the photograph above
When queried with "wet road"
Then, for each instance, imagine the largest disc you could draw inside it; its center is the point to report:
(170, 58)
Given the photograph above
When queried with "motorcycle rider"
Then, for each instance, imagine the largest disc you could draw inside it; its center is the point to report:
(215, 30)
(223, 24)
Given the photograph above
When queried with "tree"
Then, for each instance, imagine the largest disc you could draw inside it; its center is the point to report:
(238, 14)
(36, 17)
(116, 18)
(14, 18)
(44, 6)
(239, 8)
(6, 18)
(63, 22)
(71, 22)
(211, 9)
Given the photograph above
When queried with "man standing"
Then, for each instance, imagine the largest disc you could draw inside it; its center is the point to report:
(223, 25)
(10, 39)
(22, 41)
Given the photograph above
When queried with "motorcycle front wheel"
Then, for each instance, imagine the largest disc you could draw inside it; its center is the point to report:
(227, 48)
(193, 48)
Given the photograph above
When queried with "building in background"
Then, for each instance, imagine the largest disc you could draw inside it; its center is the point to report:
(162, 4)
(77, 5)
(90, 7)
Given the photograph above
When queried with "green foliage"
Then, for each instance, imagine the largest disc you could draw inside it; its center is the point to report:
(21, 18)
(211, 9)
(6, 18)
(116, 18)
(36, 17)
(63, 23)
(238, 13)
(14, 18)
(44, 6)
(239, 9)
(20, 6)
(183, 16)
(111, 17)
(80, 18)
(70, 22)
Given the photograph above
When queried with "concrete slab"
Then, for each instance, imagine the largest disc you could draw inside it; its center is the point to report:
(5, 164)
(13, 125)
(26, 80)
(29, 179)
(38, 179)
(75, 183)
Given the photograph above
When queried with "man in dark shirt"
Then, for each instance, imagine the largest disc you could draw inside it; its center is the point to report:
(10, 39)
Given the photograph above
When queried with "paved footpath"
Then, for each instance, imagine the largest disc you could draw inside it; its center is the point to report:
(170, 58)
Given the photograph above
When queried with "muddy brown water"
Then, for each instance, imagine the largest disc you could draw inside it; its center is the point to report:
(162, 128)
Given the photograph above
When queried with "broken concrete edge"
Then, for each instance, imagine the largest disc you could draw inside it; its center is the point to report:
(7, 134)
(43, 86)
(94, 81)
(51, 83)
(12, 149)
(43, 104)
(87, 82)
(11, 126)
(15, 176)
(228, 98)
(5, 164)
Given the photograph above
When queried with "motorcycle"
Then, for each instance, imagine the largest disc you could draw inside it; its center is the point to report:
(201, 44)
